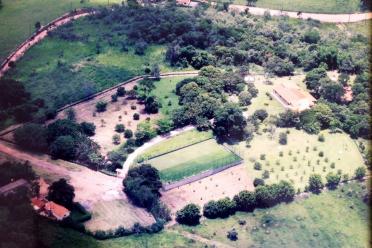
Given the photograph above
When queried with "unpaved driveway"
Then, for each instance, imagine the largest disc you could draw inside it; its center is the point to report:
(331, 18)
(94, 190)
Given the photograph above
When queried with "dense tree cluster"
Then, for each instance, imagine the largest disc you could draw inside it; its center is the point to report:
(189, 215)
(63, 139)
(61, 193)
(142, 186)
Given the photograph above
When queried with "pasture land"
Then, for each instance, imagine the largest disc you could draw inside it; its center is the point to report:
(176, 142)
(331, 219)
(192, 160)
(314, 6)
(61, 70)
(112, 214)
(165, 91)
(301, 157)
(18, 18)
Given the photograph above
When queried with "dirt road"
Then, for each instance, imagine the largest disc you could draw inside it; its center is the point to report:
(92, 189)
(330, 18)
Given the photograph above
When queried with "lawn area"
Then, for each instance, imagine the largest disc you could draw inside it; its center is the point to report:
(55, 236)
(17, 18)
(330, 219)
(312, 6)
(301, 157)
(115, 213)
(165, 92)
(192, 160)
(181, 140)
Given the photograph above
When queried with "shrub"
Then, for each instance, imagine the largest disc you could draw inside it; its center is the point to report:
(221, 208)
(116, 139)
(332, 180)
(120, 91)
(142, 185)
(321, 138)
(311, 36)
(189, 215)
(266, 174)
(63, 147)
(232, 235)
(315, 183)
(321, 154)
(128, 134)
(245, 201)
(283, 138)
(114, 98)
(88, 128)
(119, 128)
(258, 182)
(257, 166)
(136, 116)
(31, 136)
(360, 173)
(101, 106)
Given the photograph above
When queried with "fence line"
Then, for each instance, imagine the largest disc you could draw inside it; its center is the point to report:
(90, 97)
(177, 149)
(199, 176)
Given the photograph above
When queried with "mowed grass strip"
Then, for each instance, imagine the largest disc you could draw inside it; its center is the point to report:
(177, 142)
(192, 160)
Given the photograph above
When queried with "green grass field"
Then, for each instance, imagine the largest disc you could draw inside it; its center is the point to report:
(192, 160)
(312, 6)
(18, 18)
(61, 71)
(165, 92)
(331, 219)
(300, 157)
(176, 142)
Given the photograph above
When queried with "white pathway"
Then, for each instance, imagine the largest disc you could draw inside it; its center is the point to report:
(122, 173)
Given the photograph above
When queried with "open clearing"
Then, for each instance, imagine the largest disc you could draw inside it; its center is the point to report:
(226, 183)
(325, 220)
(301, 156)
(20, 18)
(192, 160)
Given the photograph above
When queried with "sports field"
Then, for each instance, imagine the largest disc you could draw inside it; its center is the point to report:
(192, 160)
(176, 142)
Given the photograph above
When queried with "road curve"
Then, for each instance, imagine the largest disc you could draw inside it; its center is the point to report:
(330, 18)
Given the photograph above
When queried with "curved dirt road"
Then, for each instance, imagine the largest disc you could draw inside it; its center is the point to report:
(330, 18)
(37, 38)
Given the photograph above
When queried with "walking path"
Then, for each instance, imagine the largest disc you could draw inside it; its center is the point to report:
(330, 18)
(122, 173)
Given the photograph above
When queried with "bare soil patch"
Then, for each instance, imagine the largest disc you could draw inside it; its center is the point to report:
(224, 184)
(106, 121)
